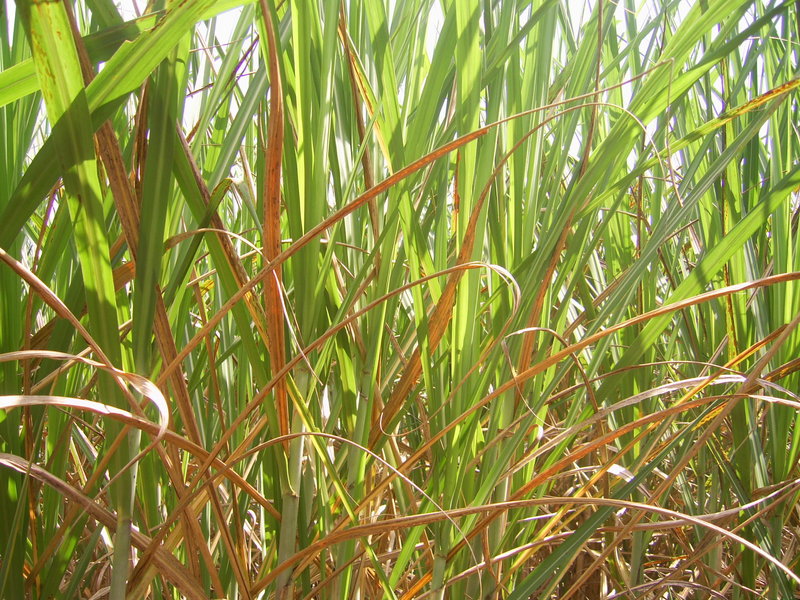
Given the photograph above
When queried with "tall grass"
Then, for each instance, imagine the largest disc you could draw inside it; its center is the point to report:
(442, 299)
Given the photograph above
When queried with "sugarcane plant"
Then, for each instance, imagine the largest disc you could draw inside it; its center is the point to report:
(380, 299)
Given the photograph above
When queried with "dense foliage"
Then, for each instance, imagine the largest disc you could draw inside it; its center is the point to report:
(420, 298)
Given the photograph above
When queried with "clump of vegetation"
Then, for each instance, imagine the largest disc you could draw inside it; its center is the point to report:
(419, 299)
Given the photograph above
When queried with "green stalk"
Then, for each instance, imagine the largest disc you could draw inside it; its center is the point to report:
(290, 496)
(61, 80)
